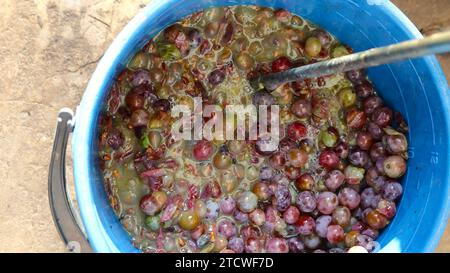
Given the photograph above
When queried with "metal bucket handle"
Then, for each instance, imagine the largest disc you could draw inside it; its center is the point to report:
(65, 216)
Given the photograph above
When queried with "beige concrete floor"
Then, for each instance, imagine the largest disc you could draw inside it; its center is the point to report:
(48, 50)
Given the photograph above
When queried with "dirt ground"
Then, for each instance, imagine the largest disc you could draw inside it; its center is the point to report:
(48, 50)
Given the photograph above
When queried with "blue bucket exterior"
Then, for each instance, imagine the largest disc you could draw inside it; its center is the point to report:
(416, 88)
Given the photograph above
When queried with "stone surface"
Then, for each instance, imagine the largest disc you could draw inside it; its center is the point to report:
(48, 50)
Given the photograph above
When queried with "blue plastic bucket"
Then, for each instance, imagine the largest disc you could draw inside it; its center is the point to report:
(416, 88)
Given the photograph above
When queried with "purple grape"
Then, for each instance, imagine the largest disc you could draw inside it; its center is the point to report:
(372, 233)
(227, 228)
(377, 151)
(263, 98)
(227, 205)
(366, 242)
(382, 116)
(375, 131)
(252, 245)
(240, 216)
(195, 37)
(306, 201)
(305, 225)
(327, 202)
(349, 197)
(265, 173)
(364, 89)
(371, 103)
(212, 210)
(395, 144)
(356, 76)
(392, 191)
(334, 179)
(277, 245)
(341, 150)
(236, 244)
(322, 224)
(335, 234)
(216, 76)
(369, 198)
(140, 77)
(295, 245)
(115, 139)
(358, 157)
(282, 197)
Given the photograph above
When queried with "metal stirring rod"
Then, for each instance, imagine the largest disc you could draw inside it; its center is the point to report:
(434, 44)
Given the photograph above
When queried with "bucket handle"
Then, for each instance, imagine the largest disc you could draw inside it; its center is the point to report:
(65, 216)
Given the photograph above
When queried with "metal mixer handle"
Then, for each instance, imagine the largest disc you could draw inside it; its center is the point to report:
(65, 216)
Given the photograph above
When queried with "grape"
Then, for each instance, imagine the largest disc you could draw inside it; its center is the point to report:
(249, 232)
(247, 201)
(263, 98)
(151, 204)
(262, 191)
(227, 228)
(358, 157)
(371, 103)
(257, 217)
(349, 197)
(227, 205)
(139, 118)
(115, 139)
(281, 64)
(296, 131)
(292, 172)
(139, 77)
(366, 242)
(311, 241)
(301, 108)
(377, 151)
(328, 159)
(372, 233)
(134, 100)
(369, 198)
(277, 160)
(282, 197)
(161, 105)
(392, 191)
(322, 224)
(212, 210)
(305, 182)
(356, 118)
(395, 144)
(202, 150)
(336, 250)
(236, 244)
(189, 220)
(341, 150)
(375, 131)
(295, 245)
(291, 215)
(356, 76)
(394, 166)
(216, 77)
(364, 89)
(335, 234)
(305, 225)
(350, 238)
(306, 201)
(265, 173)
(327, 202)
(376, 220)
(382, 116)
(364, 140)
(277, 245)
(341, 216)
(252, 245)
(334, 179)
(353, 174)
